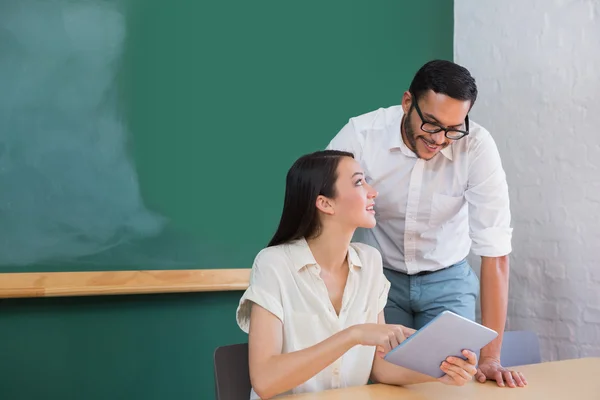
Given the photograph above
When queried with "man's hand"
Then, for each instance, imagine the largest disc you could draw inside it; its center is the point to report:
(490, 368)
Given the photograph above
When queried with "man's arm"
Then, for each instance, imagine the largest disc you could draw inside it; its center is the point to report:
(489, 223)
(494, 301)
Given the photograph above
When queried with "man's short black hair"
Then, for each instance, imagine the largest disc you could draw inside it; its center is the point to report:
(444, 77)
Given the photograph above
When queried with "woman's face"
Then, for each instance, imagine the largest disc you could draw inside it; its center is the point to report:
(354, 200)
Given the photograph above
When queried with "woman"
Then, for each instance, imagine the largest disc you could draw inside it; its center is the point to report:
(314, 307)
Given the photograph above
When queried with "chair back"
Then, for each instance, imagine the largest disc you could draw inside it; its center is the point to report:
(520, 348)
(232, 374)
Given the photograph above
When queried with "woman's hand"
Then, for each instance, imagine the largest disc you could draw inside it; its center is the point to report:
(458, 371)
(384, 336)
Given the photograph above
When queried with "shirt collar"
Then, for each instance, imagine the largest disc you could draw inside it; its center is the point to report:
(303, 257)
(447, 151)
(398, 143)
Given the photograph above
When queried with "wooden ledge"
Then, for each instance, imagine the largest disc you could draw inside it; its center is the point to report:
(55, 284)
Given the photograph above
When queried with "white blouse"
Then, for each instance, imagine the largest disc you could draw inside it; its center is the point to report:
(285, 280)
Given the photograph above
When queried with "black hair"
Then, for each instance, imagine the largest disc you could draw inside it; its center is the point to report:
(311, 175)
(444, 77)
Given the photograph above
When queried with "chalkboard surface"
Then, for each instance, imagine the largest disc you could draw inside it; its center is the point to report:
(156, 135)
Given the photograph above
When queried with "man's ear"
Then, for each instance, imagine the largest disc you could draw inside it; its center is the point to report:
(325, 205)
(406, 101)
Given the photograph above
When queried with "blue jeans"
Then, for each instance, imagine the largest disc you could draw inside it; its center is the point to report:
(413, 301)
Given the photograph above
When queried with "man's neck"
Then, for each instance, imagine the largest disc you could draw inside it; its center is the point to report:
(403, 136)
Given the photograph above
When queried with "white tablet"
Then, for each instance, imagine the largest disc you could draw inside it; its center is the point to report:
(446, 335)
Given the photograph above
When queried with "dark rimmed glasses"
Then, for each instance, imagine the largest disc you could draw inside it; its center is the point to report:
(432, 127)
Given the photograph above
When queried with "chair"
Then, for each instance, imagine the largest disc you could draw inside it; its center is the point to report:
(232, 374)
(520, 348)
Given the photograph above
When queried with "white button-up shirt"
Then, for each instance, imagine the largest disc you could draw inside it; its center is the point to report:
(285, 280)
(430, 214)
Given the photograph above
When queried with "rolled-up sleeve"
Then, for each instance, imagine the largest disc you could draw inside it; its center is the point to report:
(264, 289)
(488, 200)
(383, 285)
(384, 289)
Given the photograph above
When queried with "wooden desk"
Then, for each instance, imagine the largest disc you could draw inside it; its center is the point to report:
(569, 380)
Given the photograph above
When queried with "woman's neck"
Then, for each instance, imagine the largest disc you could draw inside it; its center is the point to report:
(330, 248)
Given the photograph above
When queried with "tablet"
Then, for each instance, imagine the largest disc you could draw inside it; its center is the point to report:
(446, 335)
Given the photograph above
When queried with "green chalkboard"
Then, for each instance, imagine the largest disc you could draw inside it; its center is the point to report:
(156, 135)
(152, 134)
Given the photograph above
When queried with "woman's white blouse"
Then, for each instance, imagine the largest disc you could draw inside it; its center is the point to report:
(285, 280)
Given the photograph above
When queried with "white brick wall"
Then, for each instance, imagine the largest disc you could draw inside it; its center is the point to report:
(537, 65)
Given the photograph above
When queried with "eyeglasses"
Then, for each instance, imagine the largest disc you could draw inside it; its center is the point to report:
(432, 127)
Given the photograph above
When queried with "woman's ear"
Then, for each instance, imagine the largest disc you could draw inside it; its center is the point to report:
(325, 205)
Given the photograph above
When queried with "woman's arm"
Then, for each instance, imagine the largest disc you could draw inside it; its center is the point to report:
(458, 371)
(272, 373)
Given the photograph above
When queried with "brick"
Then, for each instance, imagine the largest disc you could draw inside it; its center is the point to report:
(577, 214)
(544, 328)
(535, 213)
(524, 323)
(577, 272)
(593, 193)
(590, 351)
(564, 330)
(515, 323)
(569, 311)
(556, 269)
(566, 290)
(568, 351)
(593, 296)
(531, 194)
(573, 193)
(525, 309)
(548, 349)
(588, 334)
(595, 273)
(591, 315)
(526, 271)
(547, 309)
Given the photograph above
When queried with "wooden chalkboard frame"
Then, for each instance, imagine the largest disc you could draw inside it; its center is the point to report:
(61, 284)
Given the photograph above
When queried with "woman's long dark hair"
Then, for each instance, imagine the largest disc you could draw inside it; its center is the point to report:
(311, 175)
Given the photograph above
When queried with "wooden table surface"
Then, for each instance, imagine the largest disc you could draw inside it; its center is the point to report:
(570, 379)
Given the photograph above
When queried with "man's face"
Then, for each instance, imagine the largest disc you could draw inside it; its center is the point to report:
(437, 110)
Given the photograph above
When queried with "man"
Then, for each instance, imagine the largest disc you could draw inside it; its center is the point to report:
(442, 193)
